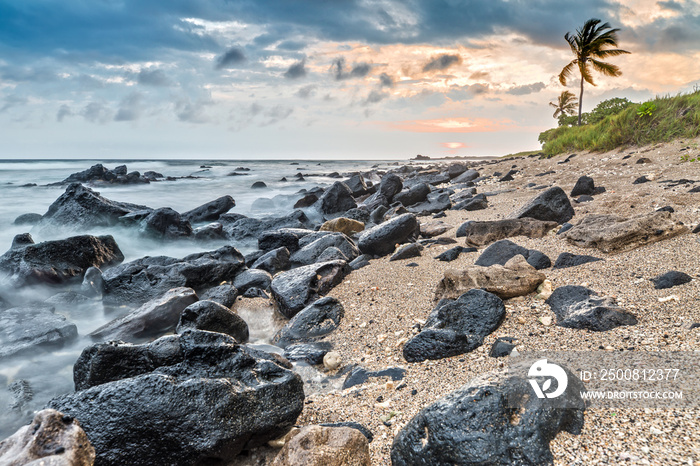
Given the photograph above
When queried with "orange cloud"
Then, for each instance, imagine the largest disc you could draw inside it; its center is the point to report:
(451, 125)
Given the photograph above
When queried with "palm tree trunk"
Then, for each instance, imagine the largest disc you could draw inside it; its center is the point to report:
(580, 102)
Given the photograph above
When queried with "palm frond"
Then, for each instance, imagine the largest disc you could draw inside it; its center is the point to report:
(567, 71)
(607, 69)
(586, 72)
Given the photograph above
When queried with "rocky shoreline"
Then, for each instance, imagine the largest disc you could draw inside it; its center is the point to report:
(396, 299)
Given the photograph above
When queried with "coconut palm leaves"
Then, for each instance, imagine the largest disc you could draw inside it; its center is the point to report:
(566, 104)
(590, 45)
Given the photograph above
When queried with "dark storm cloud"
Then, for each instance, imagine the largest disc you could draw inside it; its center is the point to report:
(442, 62)
(340, 71)
(385, 80)
(232, 58)
(526, 89)
(679, 33)
(154, 77)
(296, 71)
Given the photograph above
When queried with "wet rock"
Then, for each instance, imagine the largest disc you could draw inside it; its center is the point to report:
(253, 278)
(515, 278)
(148, 278)
(613, 234)
(453, 254)
(215, 399)
(478, 202)
(360, 375)
(60, 261)
(93, 285)
(273, 261)
(566, 259)
(324, 446)
(31, 327)
(337, 198)
(359, 262)
(494, 419)
(502, 251)
(212, 232)
(283, 237)
(414, 195)
(552, 205)
(467, 176)
(222, 294)
(382, 239)
(308, 200)
(311, 253)
(310, 353)
(343, 225)
(51, 439)
(359, 214)
(390, 186)
(213, 317)
(377, 215)
(311, 323)
(581, 308)
(407, 251)
(502, 347)
(79, 208)
(481, 233)
(211, 211)
(670, 279)
(254, 228)
(456, 326)
(258, 185)
(435, 202)
(357, 185)
(251, 293)
(21, 240)
(165, 223)
(295, 289)
(427, 178)
(27, 219)
(584, 185)
(429, 230)
(153, 319)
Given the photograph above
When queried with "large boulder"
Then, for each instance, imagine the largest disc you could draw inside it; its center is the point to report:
(466, 177)
(295, 289)
(481, 233)
(456, 326)
(147, 278)
(390, 185)
(32, 326)
(553, 205)
(357, 185)
(165, 223)
(584, 185)
(311, 252)
(414, 195)
(382, 239)
(283, 237)
(273, 261)
(504, 250)
(80, 208)
(337, 198)
(515, 278)
(343, 225)
(213, 317)
(56, 262)
(203, 406)
(434, 203)
(581, 308)
(311, 323)
(566, 260)
(211, 211)
(324, 446)
(613, 234)
(252, 278)
(253, 228)
(51, 439)
(153, 319)
(494, 419)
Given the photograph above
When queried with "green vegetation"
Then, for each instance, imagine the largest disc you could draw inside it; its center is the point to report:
(662, 119)
(604, 109)
(589, 45)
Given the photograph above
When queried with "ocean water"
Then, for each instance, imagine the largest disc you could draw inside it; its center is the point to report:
(29, 381)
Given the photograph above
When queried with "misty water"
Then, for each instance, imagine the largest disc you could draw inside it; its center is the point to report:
(28, 381)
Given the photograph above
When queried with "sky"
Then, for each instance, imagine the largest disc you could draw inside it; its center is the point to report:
(314, 79)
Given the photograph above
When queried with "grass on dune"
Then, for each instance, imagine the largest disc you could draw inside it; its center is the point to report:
(672, 118)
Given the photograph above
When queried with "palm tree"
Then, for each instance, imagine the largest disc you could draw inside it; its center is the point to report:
(589, 45)
(566, 104)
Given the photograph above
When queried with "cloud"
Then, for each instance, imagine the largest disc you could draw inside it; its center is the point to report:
(63, 111)
(671, 5)
(480, 76)
(193, 112)
(232, 58)
(340, 71)
(442, 62)
(526, 89)
(130, 108)
(96, 112)
(307, 91)
(375, 97)
(291, 45)
(296, 70)
(385, 80)
(154, 77)
(12, 101)
(450, 125)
